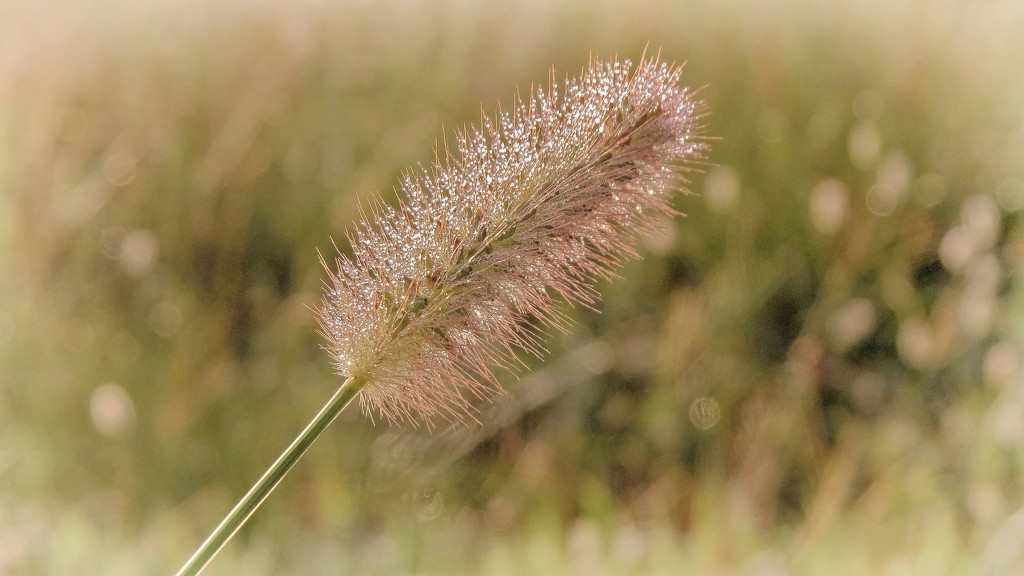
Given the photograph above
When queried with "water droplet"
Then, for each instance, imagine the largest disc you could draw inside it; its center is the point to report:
(882, 199)
(429, 504)
(705, 413)
(1010, 195)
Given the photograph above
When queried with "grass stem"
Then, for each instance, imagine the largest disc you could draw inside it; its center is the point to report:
(270, 479)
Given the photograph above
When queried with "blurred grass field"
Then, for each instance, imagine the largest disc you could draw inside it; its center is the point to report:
(817, 371)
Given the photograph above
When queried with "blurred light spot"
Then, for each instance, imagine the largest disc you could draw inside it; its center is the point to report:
(896, 170)
(868, 105)
(722, 189)
(956, 248)
(123, 350)
(976, 312)
(429, 504)
(1002, 361)
(165, 318)
(914, 343)
(119, 168)
(881, 199)
(705, 413)
(6, 326)
(830, 202)
(1010, 195)
(772, 126)
(980, 215)
(596, 356)
(111, 409)
(111, 241)
(852, 323)
(138, 251)
(930, 189)
(865, 144)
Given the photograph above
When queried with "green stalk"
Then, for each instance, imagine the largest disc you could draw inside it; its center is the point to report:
(271, 478)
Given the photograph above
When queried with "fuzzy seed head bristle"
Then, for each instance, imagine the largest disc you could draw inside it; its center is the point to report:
(490, 243)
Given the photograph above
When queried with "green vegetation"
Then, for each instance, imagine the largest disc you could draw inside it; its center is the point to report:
(818, 370)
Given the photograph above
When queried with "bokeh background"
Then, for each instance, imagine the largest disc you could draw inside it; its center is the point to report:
(817, 371)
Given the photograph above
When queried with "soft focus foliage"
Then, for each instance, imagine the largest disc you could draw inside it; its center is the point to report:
(816, 371)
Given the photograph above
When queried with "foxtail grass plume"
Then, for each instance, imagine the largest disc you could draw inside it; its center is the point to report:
(490, 243)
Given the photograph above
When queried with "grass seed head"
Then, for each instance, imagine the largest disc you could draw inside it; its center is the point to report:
(489, 244)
